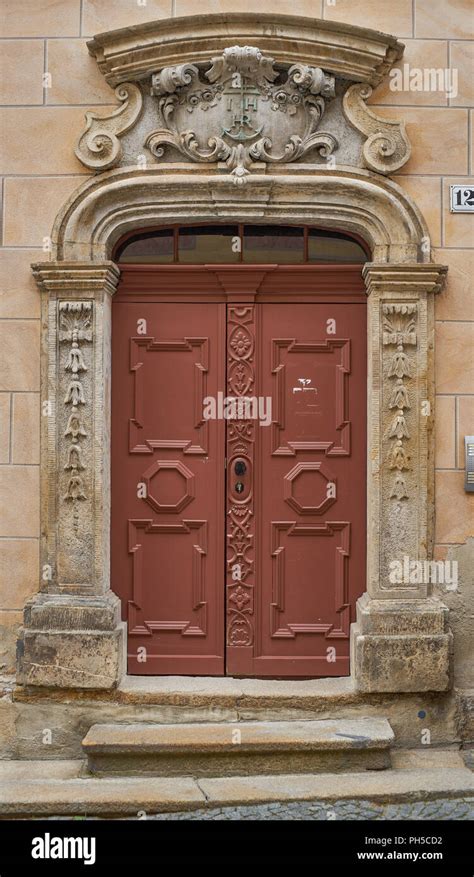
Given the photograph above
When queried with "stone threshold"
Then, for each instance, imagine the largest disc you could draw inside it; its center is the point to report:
(417, 775)
(217, 691)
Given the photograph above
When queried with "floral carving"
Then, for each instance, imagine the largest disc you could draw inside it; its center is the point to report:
(241, 438)
(246, 89)
(399, 330)
(75, 327)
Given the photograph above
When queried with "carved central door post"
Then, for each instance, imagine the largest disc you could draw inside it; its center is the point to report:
(72, 632)
(400, 641)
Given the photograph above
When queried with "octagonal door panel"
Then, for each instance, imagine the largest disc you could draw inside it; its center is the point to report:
(297, 532)
(168, 485)
(238, 545)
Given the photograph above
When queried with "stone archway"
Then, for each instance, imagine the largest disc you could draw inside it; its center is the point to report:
(72, 635)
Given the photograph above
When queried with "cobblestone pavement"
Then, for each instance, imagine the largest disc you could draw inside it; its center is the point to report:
(442, 808)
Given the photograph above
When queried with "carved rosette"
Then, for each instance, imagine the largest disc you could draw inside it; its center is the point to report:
(241, 443)
(75, 331)
(399, 332)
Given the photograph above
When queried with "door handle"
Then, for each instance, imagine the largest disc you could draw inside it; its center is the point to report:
(240, 468)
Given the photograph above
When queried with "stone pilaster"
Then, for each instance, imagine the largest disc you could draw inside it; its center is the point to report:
(400, 641)
(72, 633)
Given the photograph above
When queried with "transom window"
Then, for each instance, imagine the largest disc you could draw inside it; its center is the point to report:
(200, 244)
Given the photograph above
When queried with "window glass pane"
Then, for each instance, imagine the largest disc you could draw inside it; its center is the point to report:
(208, 243)
(153, 246)
(273, 244)
(328, 246)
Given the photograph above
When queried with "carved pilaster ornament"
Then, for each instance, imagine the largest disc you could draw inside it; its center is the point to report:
(400, 403)
(75, 328)
(399, 322)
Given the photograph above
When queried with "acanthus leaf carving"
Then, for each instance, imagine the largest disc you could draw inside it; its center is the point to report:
(387, 147)
(99, 146)
(168, 80)
(247, 61)
(239, 95)
(312, 79)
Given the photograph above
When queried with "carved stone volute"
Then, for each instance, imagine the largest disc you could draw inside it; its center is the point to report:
(246, 107)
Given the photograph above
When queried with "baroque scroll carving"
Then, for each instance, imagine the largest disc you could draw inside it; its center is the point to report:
(387, 147)
(99, 146)
(241, 443)
(75, 329)
(244, 111)
(399, 331)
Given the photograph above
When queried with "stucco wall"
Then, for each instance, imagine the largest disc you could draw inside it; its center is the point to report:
(40, 126)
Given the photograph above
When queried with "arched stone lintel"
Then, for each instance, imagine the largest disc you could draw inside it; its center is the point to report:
(117, 201)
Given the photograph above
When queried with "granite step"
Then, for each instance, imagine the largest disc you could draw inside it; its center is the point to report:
(230, 749)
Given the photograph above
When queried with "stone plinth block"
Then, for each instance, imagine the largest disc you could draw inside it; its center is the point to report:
(60, 648)
(401, 646)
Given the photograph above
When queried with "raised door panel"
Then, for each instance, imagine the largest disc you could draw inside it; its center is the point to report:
(167, 485)
(307, 496)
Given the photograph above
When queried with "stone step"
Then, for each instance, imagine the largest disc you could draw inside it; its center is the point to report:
(59, 788)
(238, 749)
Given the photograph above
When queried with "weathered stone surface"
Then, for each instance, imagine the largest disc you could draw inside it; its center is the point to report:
(100, 211)
(8, 717)
(106, 797)
(354, 53)
(59, 789)
(402, 663)
(63, 658)
(239, 749)
(394, 784)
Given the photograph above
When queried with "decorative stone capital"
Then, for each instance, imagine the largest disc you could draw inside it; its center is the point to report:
(76, 278)
(409, 279)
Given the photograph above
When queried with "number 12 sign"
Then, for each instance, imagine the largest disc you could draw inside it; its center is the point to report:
(462, 199)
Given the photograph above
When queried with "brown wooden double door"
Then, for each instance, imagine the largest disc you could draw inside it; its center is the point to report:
(238, 532)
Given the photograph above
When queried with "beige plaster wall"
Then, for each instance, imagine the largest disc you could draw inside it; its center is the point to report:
(39, 127)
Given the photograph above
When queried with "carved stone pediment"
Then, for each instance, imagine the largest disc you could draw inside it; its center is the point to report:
(241, 110)
(241, 106)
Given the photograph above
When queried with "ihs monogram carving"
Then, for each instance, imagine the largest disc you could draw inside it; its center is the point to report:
(243, 109)
(399, 329)
(241, 440)
(75, 328)
(237, 106)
